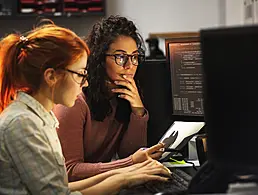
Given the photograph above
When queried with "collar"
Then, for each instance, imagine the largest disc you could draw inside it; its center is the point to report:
(48, 117)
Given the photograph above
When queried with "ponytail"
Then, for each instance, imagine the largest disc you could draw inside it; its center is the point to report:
(9, 49)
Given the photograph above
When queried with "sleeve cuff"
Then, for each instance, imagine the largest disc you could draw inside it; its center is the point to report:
(116, 164)
(145, 117)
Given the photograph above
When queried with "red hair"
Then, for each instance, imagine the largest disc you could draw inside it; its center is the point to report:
(23, 60)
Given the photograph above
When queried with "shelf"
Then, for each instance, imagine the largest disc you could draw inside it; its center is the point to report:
(61, 8)
(173, 34)
(65, 14)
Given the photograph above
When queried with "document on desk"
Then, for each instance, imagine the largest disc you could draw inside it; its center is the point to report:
(180, 132)
(187, 164)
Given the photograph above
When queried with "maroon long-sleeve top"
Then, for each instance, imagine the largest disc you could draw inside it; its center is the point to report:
(88, 145)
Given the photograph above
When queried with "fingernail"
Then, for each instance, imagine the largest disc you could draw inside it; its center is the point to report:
(124, 76)
(168, 170)
(143, 148)
(162, 149)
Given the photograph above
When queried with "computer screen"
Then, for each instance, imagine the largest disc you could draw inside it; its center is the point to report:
(184, 60)
(230, 94)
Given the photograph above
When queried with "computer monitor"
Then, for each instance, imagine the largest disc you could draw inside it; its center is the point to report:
(230, 60)
(184, 61)
(184, 64)
(154, 80)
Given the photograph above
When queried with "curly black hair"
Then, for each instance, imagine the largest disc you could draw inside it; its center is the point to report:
(102, 34)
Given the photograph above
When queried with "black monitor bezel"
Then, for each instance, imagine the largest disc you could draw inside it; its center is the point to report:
(180, 40)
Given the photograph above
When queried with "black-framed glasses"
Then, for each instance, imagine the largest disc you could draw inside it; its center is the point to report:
(121, 59)
(78, 77)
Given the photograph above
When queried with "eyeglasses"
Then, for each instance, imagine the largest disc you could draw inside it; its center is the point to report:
(78, 77)
(121, 59)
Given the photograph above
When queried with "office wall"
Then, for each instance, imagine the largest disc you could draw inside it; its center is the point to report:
(234, 12)
(168, 15)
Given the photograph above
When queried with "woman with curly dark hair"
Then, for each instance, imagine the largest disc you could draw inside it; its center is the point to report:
(112, 119)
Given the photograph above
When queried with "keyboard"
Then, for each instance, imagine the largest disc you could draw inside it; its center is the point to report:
(178, 183)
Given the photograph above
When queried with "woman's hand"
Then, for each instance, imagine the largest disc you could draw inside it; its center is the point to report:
(144, 172)
(130, 93)
(134, 167)
(142, 154)
(135, 175)
(129, 168)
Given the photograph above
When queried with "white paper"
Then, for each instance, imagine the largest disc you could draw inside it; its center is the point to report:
(177, 132)
(180, 130)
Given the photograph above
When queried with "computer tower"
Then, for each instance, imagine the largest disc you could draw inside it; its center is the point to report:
(154, 78)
